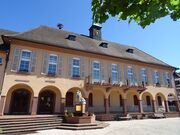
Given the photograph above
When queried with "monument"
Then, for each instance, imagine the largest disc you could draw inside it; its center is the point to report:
(80, 116)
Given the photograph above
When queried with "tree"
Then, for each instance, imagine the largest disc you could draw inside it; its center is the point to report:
(143, 12)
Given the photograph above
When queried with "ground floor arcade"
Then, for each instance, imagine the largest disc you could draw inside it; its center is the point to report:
(20, 99)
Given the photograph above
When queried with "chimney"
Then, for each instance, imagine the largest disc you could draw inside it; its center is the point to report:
(95, 31)
(60, 26)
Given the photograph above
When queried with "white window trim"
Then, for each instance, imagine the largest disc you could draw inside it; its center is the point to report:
(97, 69)
(75, 58)
(114, 71)
(52, 63)
(25, 50)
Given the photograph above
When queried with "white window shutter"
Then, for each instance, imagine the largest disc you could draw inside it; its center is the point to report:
(153, 77)
(160, 77)
(60, 66)
(102, 77)
(16, 60)
(69, 66)
(45, 64)
(125, 74)
(140, 76)
(82, 67)
(33, 62)
(109, 73)
(119, 71)
(164, 79)
(134, 75)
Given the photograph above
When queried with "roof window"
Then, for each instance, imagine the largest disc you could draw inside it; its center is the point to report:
(71, 37)
(129, 50)
(104, 45)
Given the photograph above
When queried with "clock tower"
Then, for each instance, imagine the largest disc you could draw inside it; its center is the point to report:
(95, 31)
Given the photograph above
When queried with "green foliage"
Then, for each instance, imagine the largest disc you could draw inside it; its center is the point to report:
(143, 12)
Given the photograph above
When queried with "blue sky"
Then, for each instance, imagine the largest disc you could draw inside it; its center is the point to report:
(161, 39)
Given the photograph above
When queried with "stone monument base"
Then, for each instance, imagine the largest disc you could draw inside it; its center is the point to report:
(80, 119)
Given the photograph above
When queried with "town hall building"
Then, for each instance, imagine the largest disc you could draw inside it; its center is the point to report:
(42, 69)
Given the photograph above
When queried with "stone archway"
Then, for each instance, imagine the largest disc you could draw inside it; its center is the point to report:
(132, 101)
(147, 102)
(160, 102)
(172, 103)
(71, 98)
(20, 102)
(49, 100)
(46, 102)
(115, 101)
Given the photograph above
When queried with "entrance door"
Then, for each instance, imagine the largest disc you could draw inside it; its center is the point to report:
(46, 102)
(20, 101)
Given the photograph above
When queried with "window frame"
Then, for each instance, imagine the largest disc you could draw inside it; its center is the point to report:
(96, 69)
(52, 63)
(72, 67)
(144, 75)
(156, 77)
(22, 59)
(114, 71)
(130, 73)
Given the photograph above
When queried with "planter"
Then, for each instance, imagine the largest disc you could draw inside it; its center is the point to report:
(80, 119)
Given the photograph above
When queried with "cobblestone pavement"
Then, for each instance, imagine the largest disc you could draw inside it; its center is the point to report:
(168, 126)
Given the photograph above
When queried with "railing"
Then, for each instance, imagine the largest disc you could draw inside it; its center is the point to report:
(133, 108)
(116, 109)
(173, 108)
(97, 109)
(147, 108)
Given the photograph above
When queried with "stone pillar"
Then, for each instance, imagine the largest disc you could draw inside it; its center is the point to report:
(87, 103)
(177, 106)
(2, 105)
(166, 106)
(106, 101)
(125, 106)
(154, 105)
(34, 106)
(140, 106)
(63, 100)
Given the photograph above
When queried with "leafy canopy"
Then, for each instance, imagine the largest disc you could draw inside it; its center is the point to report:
(143, 12)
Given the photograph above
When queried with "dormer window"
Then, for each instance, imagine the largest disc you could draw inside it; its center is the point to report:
(104, 45)
(71, 37)
(129, 50)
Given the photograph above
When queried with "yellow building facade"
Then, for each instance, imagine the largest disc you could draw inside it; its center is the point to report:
(42, 71)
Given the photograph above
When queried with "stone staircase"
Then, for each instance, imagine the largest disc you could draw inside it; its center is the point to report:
(28, 124)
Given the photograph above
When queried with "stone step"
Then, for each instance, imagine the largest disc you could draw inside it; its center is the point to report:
(29, 124)
(25, 131)
(79, 125)
(29, 127)
(98, 126)
(29, 120)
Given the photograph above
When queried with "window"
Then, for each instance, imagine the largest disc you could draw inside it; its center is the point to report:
(156, 77)
(1, 61)
(130, 74)
(167, 78)
(52, 64)
(75, 67)
(144, 75)
(96, 71)
(25, 61)
(114, 73)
